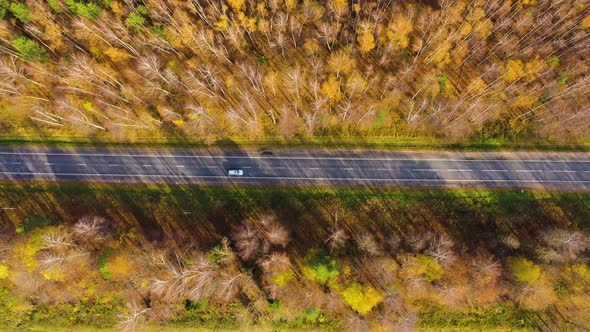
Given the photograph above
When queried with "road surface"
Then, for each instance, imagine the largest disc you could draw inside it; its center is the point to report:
(561, 171)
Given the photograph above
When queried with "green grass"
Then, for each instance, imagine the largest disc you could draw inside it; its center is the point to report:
(420, 143)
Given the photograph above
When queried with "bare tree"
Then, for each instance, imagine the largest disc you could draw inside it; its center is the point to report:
(563, 244)
(129, 321)
(441, 249)
(366, 243)
(338, 236)
(91, 228)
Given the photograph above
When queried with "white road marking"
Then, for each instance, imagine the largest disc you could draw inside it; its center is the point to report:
(425, 169)
(81, 164)
(180, 166)
(212, 166)
(48, 164)
(313, 168)
(382, 169)
(528, 170)
(247, 167)
(348, 169)
(113, 165)
(459, 170)
(147, 165)
(180, 176)
(563, 171)
(288, 158)
(495, 170)
(15, 163)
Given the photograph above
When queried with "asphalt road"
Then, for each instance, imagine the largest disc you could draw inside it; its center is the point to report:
(562, 171)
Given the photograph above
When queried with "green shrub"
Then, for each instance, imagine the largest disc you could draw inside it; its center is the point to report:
(55, 6)
(320, 266)
(135, 21)
(4, 5)
(103, 267)
(310, 316)
(20, 11)
(90, 10)
(143, 10)
(32, 222)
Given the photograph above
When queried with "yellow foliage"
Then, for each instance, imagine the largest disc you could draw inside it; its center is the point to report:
(116, 54)
(247, 22)
(524, 270)
(237, 5)
(283, 278)
(53, 274)
(53, 34)
(366, 40)
(475, 15)
(398, 30)
(311, 46)
(483, 28)
(339, 5)
(222, 24)
(465, 29)
(514, 71)
(440, 56)
(179, 122)
(340, 62)
(261, 9)
(478, 85)
(585, 22)
(3, 271)
(117, 8)
(534, 67)
(525, 101)
(361, 298)
(290, 5)
(331, 89)
(529, 2)
(119, 266)
(27, 251)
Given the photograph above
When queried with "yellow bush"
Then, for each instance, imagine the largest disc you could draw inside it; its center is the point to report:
(514, 71)
(366, 40)
(524, 270)
(3, 271)
(361, 298)
(116, 55)
(331, 89)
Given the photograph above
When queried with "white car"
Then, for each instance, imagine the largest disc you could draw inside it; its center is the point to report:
(235, 172)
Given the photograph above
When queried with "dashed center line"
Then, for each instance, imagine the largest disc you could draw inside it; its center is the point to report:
(113, 165)
(564, 171)
(81, 164)
(16, 163)
(180, 166)
(146, 165)
(495, 170)
(313, 168)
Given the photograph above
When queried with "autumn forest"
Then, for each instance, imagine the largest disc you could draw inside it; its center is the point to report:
(98, 257)
(249, 69)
